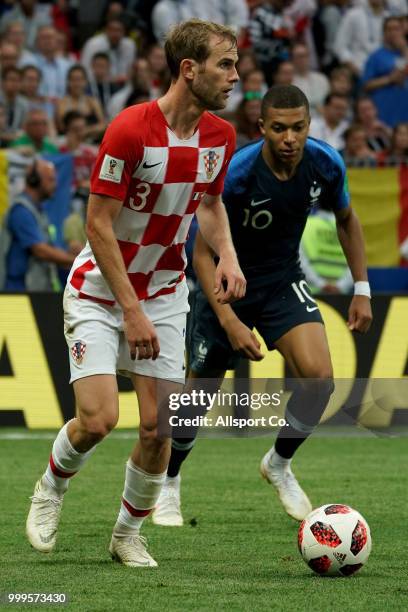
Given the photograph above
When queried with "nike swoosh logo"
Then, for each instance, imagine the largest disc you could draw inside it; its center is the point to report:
(311, 308)
(146, 165)
(253, 203)
(46, 539)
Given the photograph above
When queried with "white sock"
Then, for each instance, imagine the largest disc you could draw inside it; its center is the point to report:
(276, 461)
(139, 498)
(64, 462)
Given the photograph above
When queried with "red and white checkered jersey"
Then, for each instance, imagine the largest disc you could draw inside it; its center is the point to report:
(161, 181)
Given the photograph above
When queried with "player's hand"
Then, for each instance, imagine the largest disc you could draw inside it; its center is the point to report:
(230, 283)
(141, 335)
(360, 314)
(242, 339)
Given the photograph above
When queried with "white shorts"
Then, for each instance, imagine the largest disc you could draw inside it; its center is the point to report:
(97, 343)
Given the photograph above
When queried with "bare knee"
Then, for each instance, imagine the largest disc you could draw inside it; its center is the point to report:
(97, 429)
(318, 371)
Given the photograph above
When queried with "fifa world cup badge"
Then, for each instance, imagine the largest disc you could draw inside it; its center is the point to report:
(112, 165)
(78, 351)
(211, 160)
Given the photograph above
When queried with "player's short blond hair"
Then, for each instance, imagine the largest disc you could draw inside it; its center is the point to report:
(191, 40)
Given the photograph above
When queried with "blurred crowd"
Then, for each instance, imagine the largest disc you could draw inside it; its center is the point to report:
(69, 67)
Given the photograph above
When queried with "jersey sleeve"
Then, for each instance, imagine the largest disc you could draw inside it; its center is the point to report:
(24, 227)
(341, 195)
(120, 152)
(217, 187)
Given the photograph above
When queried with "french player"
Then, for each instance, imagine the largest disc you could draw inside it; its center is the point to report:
(125, 303)
(270, 189)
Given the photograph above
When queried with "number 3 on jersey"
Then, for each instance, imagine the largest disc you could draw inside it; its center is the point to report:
(302, 291)
(142, 193)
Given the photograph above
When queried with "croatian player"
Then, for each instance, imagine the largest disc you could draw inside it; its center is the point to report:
(126, 298)
(270, 189)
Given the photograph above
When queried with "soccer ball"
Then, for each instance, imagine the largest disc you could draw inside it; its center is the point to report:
(334, 540)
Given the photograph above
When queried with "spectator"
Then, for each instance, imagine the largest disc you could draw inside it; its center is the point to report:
(167, 13)
(356, 150)
(252, 81)
(35, 139)
(63, 49)
(341, 83)
(15, 34)
(271, 33)
(77, 100)
(54, 68)
(30, 84)
(359, 34)
(62, 19)
(100, 86)
(140, 79)
(137, 96)
(30, 88)
(8, 56)
(246, 119)
(246, 64)
(15, 105)
(331, 126)
(159, 72)
(232, 13)
(4, 139)
(321, 256)
(315, 85)
(378, 134)
(395, 8)
(28, 249)
(326, 25)
(385, 74)
(120, 48)
(302, 12)
(84, 158)
(75, 129)
(32, 15)
(115, 10)
(397, 152)
(284, 73)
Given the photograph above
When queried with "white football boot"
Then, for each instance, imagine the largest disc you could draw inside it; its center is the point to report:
(168, 511)
(293, 498)
(43, 518)
(131, 550)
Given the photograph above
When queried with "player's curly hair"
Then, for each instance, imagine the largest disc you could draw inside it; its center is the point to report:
(190, 39)
(284, 96)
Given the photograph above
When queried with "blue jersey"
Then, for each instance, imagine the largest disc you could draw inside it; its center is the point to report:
(268, 215)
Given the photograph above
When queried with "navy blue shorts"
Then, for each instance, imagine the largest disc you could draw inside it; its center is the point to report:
(271, 313)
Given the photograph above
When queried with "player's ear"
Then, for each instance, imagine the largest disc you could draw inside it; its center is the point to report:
(261, 126)
(188, 69)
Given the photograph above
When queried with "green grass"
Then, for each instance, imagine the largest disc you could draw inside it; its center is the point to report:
(242, 553)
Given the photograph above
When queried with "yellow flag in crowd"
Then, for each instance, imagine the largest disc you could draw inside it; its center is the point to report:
(375, 196)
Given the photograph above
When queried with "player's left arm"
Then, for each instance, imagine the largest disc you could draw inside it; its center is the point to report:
(351, 239)
(230, 283)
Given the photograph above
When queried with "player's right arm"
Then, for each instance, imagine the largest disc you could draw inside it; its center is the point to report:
(139, 330)
(240, 336)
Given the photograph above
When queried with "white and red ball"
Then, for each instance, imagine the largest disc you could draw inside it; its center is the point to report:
(334, 540)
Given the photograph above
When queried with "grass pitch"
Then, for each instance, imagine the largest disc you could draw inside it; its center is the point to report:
(237, 550)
